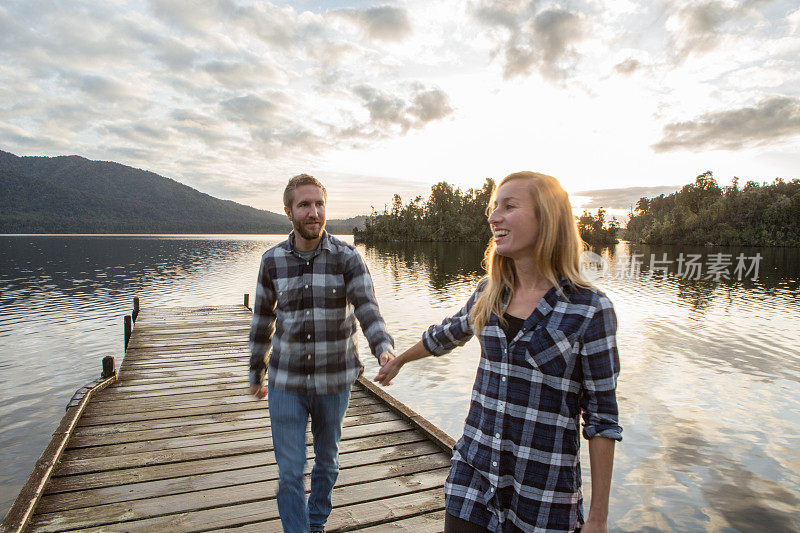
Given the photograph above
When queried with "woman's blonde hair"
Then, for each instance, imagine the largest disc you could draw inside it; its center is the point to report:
(556, 253)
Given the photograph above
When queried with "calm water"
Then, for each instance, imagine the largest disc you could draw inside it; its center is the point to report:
(709, 390)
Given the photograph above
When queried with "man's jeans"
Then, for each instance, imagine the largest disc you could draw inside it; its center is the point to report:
(288, 413)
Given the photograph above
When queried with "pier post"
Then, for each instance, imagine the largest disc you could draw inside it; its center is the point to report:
(128, 329)
(247, 300)
(135, 308)
(108, 367)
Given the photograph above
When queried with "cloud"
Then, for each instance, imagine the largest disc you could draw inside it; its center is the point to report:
(390, 113)
(531, 39)
(250, 109)
(772, 120)
(698, 27)
(384, 23)
(629, 66)
(619, 198)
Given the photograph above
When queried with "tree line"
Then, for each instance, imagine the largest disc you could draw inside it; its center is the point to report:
(452, 215)
(703, 213)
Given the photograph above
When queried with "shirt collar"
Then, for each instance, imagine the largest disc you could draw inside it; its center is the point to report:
(324, 243)
(548, 301)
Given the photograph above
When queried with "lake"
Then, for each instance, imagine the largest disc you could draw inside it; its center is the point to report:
(709, 392)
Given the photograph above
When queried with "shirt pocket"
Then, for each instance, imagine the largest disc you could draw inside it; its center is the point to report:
(335, 292)
(550, 351)
(290, 295)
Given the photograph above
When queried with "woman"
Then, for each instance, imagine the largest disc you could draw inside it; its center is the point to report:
(548, 356)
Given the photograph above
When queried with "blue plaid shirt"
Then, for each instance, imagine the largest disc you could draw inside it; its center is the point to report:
(306, 310)
(517, 467)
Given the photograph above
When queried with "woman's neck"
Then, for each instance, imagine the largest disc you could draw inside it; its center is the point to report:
(528, 277)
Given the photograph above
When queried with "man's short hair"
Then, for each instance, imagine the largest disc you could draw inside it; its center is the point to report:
(298, 181)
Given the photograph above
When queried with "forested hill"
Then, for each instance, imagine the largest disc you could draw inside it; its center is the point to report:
(71, 194)
(766, 214)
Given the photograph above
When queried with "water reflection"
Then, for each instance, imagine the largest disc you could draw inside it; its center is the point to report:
(708, 392)
(437, 263)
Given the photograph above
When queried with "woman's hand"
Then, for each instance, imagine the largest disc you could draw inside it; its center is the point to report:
(390, 366)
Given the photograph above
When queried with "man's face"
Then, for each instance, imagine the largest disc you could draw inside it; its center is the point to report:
(307, 211)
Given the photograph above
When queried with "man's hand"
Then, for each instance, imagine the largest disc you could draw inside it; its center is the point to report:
(259, 391)
(390, 366)
(385, 357)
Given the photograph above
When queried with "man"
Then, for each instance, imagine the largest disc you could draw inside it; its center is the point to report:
(311, 288)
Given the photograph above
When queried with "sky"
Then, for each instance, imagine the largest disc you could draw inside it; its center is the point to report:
(617, 99)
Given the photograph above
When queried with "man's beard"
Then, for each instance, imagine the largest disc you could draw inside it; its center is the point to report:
(305, 233)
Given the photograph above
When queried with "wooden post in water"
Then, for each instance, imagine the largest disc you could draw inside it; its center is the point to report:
(128, 329)
(135, 308)
(247, 300)
(108, 367)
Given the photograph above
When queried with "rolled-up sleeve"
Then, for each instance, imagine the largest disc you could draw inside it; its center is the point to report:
(600, 360)
(262, 326)
(454, 331)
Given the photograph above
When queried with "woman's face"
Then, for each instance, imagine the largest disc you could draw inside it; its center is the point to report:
(513, 220)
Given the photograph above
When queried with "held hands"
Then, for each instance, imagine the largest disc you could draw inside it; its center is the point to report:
(259, 391)
(390, 366)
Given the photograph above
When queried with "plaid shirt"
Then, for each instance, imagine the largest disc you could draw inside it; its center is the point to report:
(306, 310)
(517, 465)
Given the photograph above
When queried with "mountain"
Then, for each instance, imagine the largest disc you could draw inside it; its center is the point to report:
(72, 194)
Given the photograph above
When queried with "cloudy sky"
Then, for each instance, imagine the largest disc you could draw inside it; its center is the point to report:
(617, 97)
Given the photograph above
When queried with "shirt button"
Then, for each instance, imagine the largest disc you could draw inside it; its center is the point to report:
(494, 463)
(501, 379)
(308, 336)
(496, 435)
(306, 286)
(307, 312)
(308, 262)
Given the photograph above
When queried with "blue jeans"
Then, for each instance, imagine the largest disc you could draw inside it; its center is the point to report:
(288, 413)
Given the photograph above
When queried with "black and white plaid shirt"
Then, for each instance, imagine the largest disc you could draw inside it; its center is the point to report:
(306, 310)
(517, 467)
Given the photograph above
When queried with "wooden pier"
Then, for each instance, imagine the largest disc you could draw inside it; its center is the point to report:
(176, 443)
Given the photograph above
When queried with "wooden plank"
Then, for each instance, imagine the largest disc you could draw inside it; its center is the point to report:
(223, 508)
(139, 360)
(134, 372)
(85, 452)
(423, 523)
(356, 467)
(223, 397)
(185, 393)
(146, 405)
(257, 413)
(70, 465)
(358, 439)
(400, 465)
(194, 329)
(123, 389)
(174, 343)
(96, 417)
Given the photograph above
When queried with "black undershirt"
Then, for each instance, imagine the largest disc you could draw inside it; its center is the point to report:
(512, 327)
